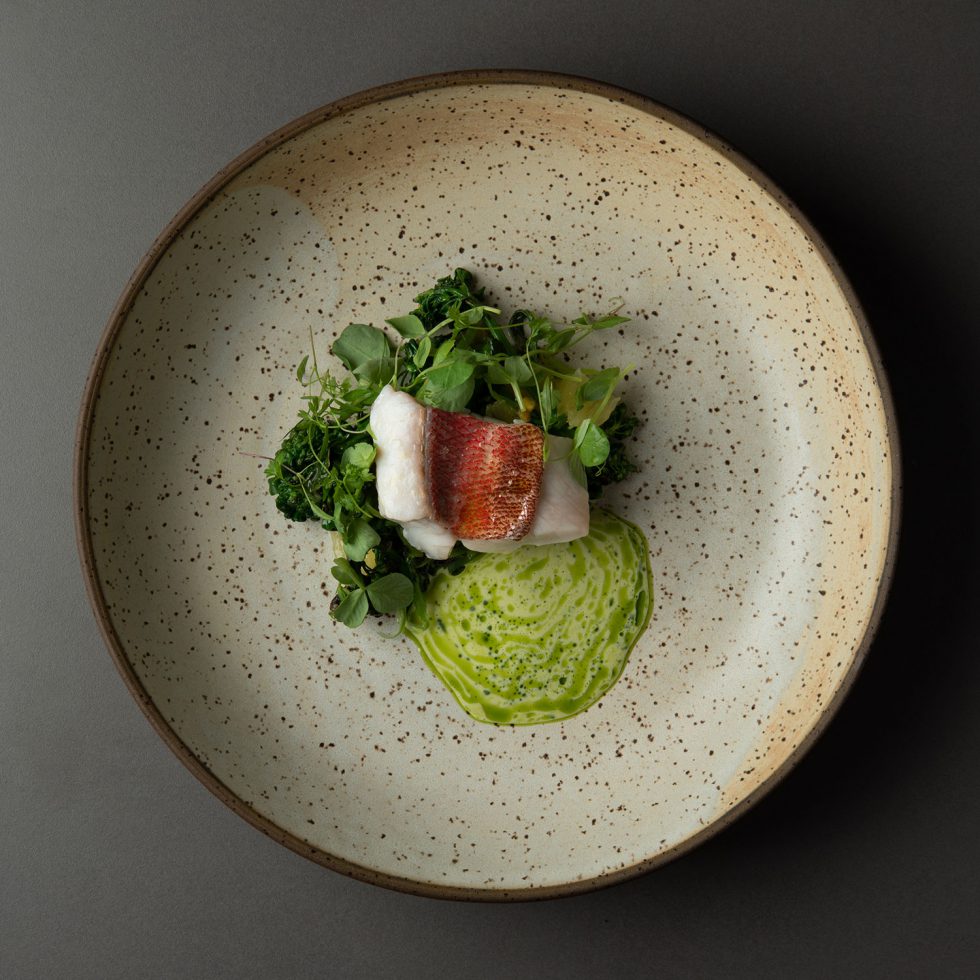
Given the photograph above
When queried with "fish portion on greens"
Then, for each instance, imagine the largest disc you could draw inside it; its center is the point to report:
(458, 433)
(448, 476)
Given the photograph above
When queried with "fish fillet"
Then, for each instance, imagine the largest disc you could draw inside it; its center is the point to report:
(449, 475)
(434, 539)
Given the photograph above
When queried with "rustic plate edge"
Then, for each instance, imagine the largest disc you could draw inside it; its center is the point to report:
(139, 277)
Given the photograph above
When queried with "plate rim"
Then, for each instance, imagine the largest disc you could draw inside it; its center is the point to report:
(83, 431)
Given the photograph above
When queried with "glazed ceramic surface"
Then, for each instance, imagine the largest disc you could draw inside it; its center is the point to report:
(766, 488)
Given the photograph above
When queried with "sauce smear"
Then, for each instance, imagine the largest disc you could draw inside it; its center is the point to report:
(542, 633)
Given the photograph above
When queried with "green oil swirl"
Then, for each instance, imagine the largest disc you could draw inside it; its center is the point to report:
(542, 633)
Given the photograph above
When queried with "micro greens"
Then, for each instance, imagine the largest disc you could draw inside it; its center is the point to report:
(453, 352)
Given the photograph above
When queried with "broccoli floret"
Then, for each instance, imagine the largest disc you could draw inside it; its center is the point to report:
(619, 427)
(286, 469)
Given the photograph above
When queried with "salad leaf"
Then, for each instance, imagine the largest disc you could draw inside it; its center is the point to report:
(422, 352)
(391, 592)
(591, 443)
(449, 374)
(353, 609)
(359, 345)
(360, 455)
(344, 573)
(453, 399)
(598, 386)
(359, 539)
(407, 326)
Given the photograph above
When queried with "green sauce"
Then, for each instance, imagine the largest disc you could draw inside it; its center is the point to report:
(542, 633)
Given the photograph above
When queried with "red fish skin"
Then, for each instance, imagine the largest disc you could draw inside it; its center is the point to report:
(483, 477)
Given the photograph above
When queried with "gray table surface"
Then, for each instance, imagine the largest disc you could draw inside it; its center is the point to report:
(115, 862)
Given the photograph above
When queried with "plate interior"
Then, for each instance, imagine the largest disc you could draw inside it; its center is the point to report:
(764, 489)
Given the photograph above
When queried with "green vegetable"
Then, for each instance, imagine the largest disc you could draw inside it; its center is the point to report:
(360, 345)
(359, 539)
(352, 609)
(296, 456)
(390, 593)
(591, 443)
(598, 387)
(408, 326)
(447, 297)
(618, 429)
(453, 351)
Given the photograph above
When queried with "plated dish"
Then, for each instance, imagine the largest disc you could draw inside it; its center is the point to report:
(766, 489)
(433, 451)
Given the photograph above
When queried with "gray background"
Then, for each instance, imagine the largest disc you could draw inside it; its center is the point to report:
(114, 861)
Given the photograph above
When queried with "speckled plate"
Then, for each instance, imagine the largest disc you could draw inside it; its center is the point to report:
(768, 487)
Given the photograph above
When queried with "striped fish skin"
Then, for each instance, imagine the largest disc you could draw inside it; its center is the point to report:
(562, 513)
(483, 477)
(446, 476)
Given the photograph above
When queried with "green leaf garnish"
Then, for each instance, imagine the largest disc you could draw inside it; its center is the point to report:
(547, 399)
(344, 573)
(390, 593)
(443, 351)
(453, 399)
(352, 610)
(377, 371)
(360, 344)
(598, 386)
(450, 374)
(359, 539)
(408, 326)
(422, 352)
(360, 455)
(591, 443)
(606, 322)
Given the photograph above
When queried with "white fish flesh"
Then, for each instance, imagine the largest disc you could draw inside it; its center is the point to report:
(398, 425)
(428, 536)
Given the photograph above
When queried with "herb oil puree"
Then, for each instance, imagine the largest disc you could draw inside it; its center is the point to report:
(541, 633)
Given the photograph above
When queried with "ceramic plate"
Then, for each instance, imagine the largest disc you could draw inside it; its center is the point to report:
(767, 490)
